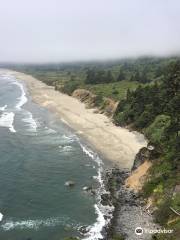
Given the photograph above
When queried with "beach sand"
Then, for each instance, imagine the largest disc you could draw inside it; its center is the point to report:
(116, 144)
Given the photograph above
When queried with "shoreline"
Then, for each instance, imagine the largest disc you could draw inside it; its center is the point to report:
(118, 145)
(127, 203)
(124, 167)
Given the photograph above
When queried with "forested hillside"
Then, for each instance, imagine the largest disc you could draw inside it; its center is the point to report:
(155, 110)
(106, 79)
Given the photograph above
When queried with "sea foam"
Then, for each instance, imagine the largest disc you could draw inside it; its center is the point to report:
(1, 217)
(30, 122)
(38, 223)
(7, 120)
(87, 151)
(28, 119)
(22, 99)
(95, 230)
(3, 108)
(65, 149)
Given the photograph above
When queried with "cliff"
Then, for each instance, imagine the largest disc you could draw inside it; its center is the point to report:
(104, 105)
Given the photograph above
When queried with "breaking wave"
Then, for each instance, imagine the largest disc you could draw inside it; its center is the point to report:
(38, 223)
(7, 120)
(3, 108)
(30, 122)
(95, 230)
(22, 99)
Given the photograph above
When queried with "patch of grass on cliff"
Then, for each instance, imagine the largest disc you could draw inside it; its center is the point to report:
(115, 90)
(118, 237)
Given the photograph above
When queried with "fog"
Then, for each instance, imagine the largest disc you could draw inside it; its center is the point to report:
(70, 30)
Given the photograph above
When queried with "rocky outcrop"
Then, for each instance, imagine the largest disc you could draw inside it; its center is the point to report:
(141, 157)
(69, 184)
(109, 106)
(130, 211)
(145, 154)
(86, 96)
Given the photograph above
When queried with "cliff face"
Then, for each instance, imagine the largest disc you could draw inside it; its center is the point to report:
(85, 96)
(104, 105)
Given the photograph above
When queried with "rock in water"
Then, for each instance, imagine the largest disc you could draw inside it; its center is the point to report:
(86, 188)
(69, 183)
(1, 217)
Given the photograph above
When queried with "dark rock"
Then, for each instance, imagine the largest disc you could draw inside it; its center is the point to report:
(69, 184)
(106, 199)
(83, 229)
(93, 192)
(141, 157)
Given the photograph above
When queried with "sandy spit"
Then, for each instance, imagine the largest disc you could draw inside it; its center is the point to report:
(116, 144)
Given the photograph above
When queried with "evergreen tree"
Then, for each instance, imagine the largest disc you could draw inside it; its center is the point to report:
(109, 77)
(144, 78)
(121, 76)
(90, 76)
(137, 76)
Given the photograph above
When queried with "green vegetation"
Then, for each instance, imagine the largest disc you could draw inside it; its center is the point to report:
(148, 91)
(116, 91)
(117, 237)
(155, 110)
(110, 79)
(156, 131)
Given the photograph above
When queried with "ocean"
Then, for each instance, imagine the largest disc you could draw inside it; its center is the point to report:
(38, 155)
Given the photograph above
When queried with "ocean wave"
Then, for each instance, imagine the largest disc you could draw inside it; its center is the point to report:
(68, 139)
(3, 108)
(49, 130)
(65, 149)
(95, 230)
(39, 223)
(22, 99)
(64, 121)
(91, 154)
(1, 217)
(6, 76)
(7, 120)
(30, 121)
(87, 151)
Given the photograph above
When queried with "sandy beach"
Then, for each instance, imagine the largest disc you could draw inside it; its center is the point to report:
(116, 144)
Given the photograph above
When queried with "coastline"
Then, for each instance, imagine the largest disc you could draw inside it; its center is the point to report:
(117, 145)
(47, 97)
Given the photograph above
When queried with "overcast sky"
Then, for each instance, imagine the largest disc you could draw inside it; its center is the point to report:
(68, 30)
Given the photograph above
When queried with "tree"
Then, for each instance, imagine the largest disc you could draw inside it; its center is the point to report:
(144, 78)
(137, 76)
(90, 76)
(172, 79)
(100, 76)
(109, 77)
(121, 76)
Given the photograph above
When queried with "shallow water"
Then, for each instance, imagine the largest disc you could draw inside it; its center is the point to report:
(39, 154)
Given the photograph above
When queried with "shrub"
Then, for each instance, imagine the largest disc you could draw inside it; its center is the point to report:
(163, 212)
(69, 87)
(118, 237)
(156, 131)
